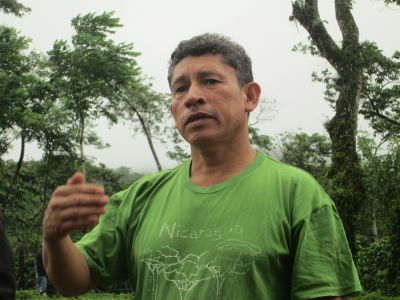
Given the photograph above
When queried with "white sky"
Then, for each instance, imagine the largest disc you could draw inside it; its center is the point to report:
(155, 27)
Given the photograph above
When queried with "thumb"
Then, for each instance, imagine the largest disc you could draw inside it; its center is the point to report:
(77, 178)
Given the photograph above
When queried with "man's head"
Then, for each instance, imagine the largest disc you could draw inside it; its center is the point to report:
(212, 90)
(232, 54)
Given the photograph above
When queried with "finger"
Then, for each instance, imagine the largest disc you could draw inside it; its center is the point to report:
(72, 213)
(79, 200)
(77, 178)
(80, 223)
(87, 188)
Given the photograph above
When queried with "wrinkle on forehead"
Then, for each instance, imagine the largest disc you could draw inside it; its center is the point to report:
(201, 66)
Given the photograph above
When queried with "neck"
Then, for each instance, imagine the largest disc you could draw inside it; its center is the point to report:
(212, 165)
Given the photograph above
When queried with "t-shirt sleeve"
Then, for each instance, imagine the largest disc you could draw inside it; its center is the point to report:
(104, 247)
(322, 264)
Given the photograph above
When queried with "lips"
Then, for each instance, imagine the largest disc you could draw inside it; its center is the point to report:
(197, 116)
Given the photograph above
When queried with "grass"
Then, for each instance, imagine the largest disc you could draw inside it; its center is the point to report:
(372, 296)
(33, 295)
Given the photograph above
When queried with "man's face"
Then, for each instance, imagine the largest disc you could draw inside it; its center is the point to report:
(208, 104)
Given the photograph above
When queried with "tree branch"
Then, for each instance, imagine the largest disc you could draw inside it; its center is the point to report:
(346, 22)
(382, 115)
(147, 134)
(308, 16)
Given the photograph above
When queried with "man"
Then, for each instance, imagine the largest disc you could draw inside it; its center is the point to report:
(40, 273)
(230, 223)
(7, 278)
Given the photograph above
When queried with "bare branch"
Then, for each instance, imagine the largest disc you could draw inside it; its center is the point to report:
(377, 111)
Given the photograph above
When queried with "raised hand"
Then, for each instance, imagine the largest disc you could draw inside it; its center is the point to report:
(76, 205)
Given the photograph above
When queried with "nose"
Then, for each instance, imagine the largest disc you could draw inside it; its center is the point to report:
(194, 97)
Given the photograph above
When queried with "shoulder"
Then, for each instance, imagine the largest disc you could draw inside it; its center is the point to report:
(286, 173)
(154, 180)
(141, 188)
(300, 190)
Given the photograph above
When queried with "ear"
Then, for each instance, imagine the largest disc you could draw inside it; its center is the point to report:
(172, 115)
(252, 92)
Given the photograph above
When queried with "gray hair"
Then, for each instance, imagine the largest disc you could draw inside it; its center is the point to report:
(232, 53)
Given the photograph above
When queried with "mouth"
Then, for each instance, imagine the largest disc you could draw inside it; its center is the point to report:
(196, 117)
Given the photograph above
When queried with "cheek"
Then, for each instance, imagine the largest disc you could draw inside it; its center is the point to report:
(173, 108)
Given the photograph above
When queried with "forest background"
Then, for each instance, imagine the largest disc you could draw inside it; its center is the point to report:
(51, 103)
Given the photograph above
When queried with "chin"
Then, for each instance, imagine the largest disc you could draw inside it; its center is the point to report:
(201, 141)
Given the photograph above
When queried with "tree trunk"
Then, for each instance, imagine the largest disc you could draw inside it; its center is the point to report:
(46, 181)
(148, 135)
(375, 235)
(21, 267)
(20, 160)
(16, 173)
(81, 140)
(345, 170)
(342, 128)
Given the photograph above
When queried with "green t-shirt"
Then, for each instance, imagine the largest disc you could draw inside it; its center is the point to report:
(270, 232)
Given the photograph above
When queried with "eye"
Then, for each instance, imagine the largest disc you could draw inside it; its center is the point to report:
(210, 81)
(180, 89)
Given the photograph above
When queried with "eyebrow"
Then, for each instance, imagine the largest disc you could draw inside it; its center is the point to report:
(200, 74)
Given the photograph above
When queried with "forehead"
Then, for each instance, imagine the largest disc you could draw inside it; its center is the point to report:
(208, 63)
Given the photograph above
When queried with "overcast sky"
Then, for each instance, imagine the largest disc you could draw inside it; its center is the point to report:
(155, 27)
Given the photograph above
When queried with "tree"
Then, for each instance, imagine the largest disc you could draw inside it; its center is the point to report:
(13, 7)
(26, 204)
(346, 59)
(308, 152)
(262, 142)
(381, 166)
(379, 265)
(23, 92)
(380, 92)
(14, 67)
(91, 73)
(392, 2)
(142, 105)
(126, 176)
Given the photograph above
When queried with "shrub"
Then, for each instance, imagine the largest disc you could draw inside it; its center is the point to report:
(374, 264)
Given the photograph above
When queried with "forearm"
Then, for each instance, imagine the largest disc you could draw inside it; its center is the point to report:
(67, 268)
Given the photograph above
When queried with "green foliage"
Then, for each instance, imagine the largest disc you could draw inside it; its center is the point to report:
(262, 142)
(380, 93)
(392, 2)
(13, 7)
(393, 275)
(14, 69)
(126, 176)
(110, 179)
(28, 199)
(309, 48)
(146, 110)
(308, 152)
(91, 74)
(375, 265)
(180, 152)
(381, 167)
(32, 295)
(22, 214)
(371, 296)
